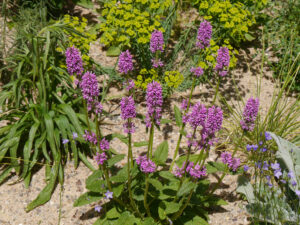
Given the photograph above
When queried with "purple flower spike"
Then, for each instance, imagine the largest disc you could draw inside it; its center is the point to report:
(100, 158)
(157, 63)
(184, 104)
(89, 87)
(198, 71)
(129, 85)
(157, 41)
(127, 108)
(125, 62)
(146, 165)
(250, 114)
(74, 61)
(204, 35)
(104, 144)
(90, 137)
(223, 60)
(198, 172)
(198, 115)
(232, 163)
(154, 103)
(129, 127)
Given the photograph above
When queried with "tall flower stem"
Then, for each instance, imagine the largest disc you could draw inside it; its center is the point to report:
(87, 115)
(130, 156)
(183, 126)
(145, 197)
(217, 90)
(150, 144)
(178, 214)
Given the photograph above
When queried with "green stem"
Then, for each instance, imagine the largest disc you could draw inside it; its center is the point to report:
(60, 203)
(87, 115)
(145, 197)
(217, 91)
(130, 156)
(182, 126)
(150, 145)
(178, 214)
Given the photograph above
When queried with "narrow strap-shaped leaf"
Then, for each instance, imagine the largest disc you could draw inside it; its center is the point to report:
(28, 147)
(73, 118)
(5, 173)
(6, 145)
(45, 195)
(85, 161)
(50, 133)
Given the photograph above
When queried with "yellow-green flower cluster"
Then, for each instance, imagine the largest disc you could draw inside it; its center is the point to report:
(231, 19)
(127, 20)
(80, 42)
(173, 78)
(210, 55)
(145, 77)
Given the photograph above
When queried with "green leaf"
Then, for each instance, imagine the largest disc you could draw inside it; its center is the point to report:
(121, 176)
(72, 117)
(245, 187)
(112, 161)
(172, 207)
(46, 193)
(94, 182)
(87, 198)
(5, 173)
(148, 221)
(214, 200)
(165, 121)
(249, 37)
(161, 211)
(140, 144)
(288, 155)
(210, 169)
(85, 3)
(117, 189)
(113, 51)
(161, 153)
(156, 183)
(127, 219)
(185, 188)
(113, 213)
(221, 167)
(178, 116)
(167, 175)
(86, 162)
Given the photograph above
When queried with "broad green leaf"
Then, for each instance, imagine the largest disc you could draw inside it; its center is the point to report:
(245, 188)
(161, 211)
(113, 213)
(172, 207)
(87, 198)
(221, 167)
(210, 169)
(127, 219)
(156, 183)
(182, 159)
(112, 161)
(186, 188)
(113, 51)
(165, 121)
(148, 221)
(85, 3)
(178, 116)
(161, 153)
(214, 200)
(121, 176)
(249, 37)
(288, 156)
(167, 175)
(95, 181)
(117, 189)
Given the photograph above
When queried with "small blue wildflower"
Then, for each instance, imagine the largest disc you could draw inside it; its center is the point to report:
(246, 168)
(294, 183)
(268, 136)
(255, 147)
(283, 181)
(65, 141)
(291, 174)
(275, 166)
(277, 173)
(264, 149)
(265, 166)
(258, 164)
(108, 195)
(298, 193)
(249, 147)
(268, 177)
(75, 135)
(260, 143)
(98, 208)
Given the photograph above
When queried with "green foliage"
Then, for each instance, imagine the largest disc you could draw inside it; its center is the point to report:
(36, 104)
(275, 202)
(231, 20)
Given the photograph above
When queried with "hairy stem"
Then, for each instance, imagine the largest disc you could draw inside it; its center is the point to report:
(178, 214)
(145, 197)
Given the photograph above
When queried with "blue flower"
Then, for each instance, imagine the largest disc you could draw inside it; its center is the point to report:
(255, 147)
(98, 208)
(65, 141)
(275, 166)
(249, 147)
(108, 195)
(246, 168)
(277, 173)
(268, 136)
(75, 135)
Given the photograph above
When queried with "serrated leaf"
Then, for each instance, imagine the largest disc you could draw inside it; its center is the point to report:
(117, 189)
(112, 161)
(161, 153)
(95, 182)
(121, 176)
(221, 167)
(161, 211)
(185, 188)
(113, 213)
(178, 116)
(167, 175)
(155, 183)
